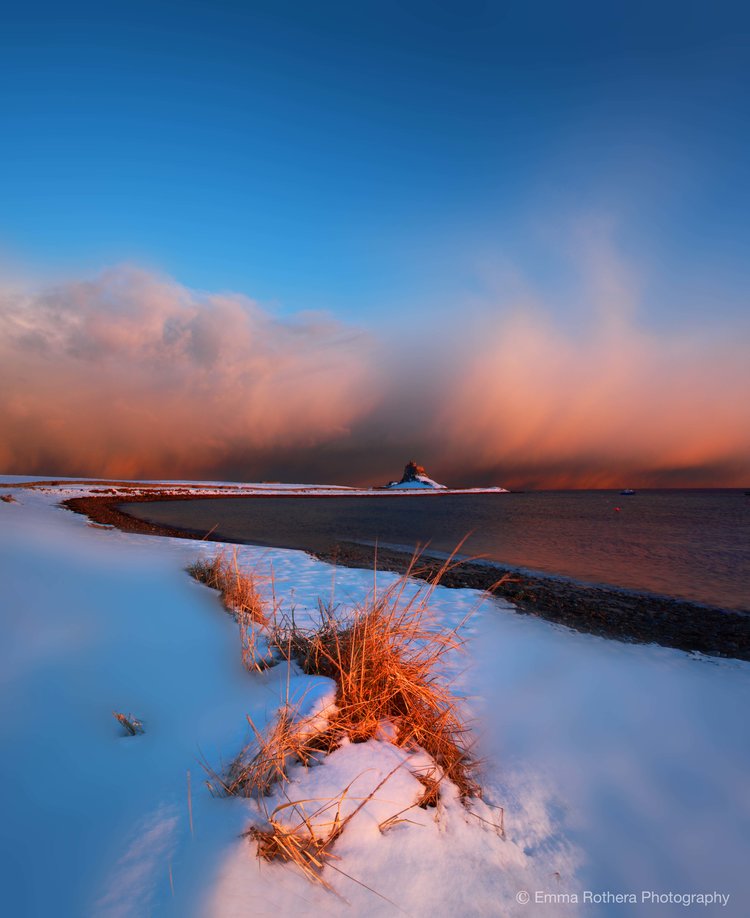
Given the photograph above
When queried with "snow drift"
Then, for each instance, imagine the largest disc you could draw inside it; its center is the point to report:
(618, 767)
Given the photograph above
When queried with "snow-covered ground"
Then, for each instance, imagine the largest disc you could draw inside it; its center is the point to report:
(422, 485)
(622, 769)
(419, 482)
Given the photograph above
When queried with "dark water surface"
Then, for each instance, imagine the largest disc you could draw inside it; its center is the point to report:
(692, 544)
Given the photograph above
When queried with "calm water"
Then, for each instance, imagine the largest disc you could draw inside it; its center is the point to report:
(694, 544)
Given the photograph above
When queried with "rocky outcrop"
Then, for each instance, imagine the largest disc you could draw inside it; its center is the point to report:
(415, 477)
(413, 472)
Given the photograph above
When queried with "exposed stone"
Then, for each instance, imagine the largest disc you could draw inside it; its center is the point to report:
(412, 472)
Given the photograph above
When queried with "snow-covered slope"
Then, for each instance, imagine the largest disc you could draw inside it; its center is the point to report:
(620, 768)
(421, 481)
(75, 487)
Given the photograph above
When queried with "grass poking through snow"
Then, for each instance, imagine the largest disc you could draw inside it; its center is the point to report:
(238, 588)
(266, 759)
(243, 599)
(306, 840)
(385, 655)
(130, 724)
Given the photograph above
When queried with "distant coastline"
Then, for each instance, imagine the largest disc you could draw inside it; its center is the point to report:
(619, 614)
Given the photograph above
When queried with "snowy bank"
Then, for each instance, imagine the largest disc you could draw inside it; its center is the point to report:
(618, 767)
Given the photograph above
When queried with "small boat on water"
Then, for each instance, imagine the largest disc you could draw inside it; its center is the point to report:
(627, 492)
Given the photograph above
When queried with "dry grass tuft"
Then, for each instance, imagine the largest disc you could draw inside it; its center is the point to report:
(238, 588)
(384, 658)
(253, 658)
(131, 725)
(307, 840)
(266, 760)
(207, 570)
(8, 498)
(296, 845)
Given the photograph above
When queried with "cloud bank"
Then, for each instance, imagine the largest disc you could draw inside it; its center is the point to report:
(132, 375)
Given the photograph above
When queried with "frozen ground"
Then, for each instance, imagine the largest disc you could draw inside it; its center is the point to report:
(621, 769)
(423, 485)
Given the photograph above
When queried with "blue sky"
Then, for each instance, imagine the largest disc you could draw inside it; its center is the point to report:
(376, 158)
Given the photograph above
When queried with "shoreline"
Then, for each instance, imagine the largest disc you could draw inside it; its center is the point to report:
(610, 612)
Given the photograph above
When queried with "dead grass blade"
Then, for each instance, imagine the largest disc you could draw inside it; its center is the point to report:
(301, 843)
(238, 588)
(265, 761)
(131, 724)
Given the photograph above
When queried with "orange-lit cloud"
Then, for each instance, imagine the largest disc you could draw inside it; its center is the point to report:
(610, 402)
(131, 374)
(615, 406)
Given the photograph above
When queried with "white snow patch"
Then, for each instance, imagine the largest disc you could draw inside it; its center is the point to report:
(420, 481)
(130, 888)
(442, 861)
(619, 767)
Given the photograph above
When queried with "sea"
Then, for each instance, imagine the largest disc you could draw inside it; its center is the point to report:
(691, 544)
